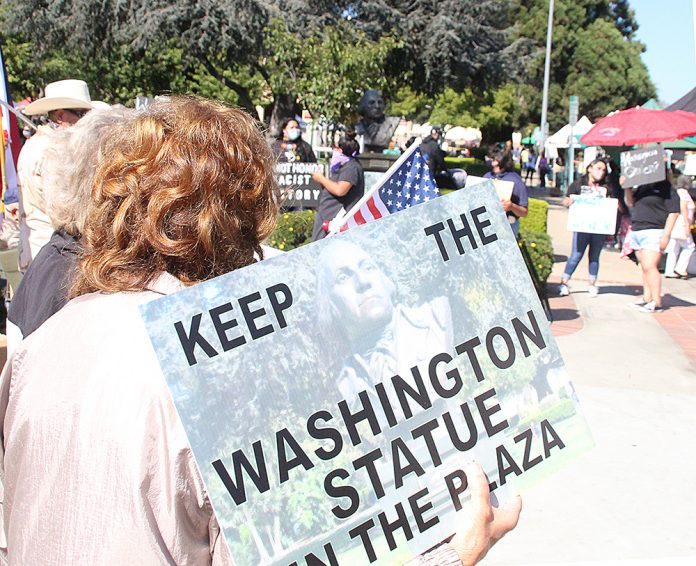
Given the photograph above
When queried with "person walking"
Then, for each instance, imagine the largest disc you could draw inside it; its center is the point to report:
(655, 209)
(542, 167)
(681, 243)
(530, 167)
(592, 184)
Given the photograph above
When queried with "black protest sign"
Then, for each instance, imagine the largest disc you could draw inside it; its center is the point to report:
(642, 166)
(297, 187)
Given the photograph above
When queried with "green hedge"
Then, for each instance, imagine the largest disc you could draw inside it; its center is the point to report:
(535, 221)
(540, 251)
(294, 229)
(533, 233)
(562, 409)
(471, 165)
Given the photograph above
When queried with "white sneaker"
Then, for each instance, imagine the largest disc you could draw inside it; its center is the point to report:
(593, 291)
(650, 307)
(638, 304)
(563, 290)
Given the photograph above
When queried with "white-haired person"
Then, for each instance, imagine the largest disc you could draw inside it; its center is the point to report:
(96, 465)
(70, 162)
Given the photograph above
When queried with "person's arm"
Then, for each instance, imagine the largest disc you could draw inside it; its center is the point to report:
(628, 197)
(336, 188)
(481, 528)
(684, 210)
(519, 208)
(516, 209)
(573, 189)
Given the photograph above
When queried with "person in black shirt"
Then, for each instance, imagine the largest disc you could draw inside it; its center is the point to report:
(595, 184)
(344, 188)
(655, 209)
(290, 147)
(433, 154)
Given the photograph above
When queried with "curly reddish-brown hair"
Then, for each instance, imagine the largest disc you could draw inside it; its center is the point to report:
(186, 187)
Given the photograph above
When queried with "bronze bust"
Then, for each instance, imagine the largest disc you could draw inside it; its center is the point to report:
(376, 128)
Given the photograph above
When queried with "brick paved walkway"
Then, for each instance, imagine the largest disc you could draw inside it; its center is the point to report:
(566, 316)
(679, 321)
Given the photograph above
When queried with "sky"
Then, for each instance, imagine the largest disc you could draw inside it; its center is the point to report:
(666, 27)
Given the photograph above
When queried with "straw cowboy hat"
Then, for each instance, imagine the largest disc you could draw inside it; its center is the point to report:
(65, 94)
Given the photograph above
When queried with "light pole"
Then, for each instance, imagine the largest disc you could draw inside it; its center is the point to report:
(547, 72)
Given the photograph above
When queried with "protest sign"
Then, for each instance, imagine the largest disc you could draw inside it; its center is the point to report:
(594, 215)
(333, 394)
(502, 188)
(642, 166)
(297, 187)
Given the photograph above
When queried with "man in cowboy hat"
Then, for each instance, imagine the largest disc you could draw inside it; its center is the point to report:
(65, 102)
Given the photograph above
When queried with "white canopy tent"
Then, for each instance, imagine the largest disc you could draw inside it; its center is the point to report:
(466, 135)
(561, 138)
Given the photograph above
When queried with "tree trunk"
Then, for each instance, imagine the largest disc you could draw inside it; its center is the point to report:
(245, 100)
(284, 107)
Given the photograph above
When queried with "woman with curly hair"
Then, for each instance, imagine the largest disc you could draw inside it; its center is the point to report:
(96, 466)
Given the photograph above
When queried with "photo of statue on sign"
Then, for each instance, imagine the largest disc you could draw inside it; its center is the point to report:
(333, 395)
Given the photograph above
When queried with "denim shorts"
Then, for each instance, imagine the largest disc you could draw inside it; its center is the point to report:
(647, 239)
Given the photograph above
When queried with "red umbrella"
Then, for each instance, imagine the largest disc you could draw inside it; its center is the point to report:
(641, 125)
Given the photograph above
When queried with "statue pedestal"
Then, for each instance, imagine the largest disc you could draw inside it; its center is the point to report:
(375, 165)
(378, 162)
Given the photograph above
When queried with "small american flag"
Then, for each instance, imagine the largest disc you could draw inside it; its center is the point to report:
(406, 184)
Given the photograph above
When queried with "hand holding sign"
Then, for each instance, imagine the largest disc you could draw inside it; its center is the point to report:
(486, 525)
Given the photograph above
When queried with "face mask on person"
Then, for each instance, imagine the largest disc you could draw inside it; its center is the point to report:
(597, 175)
(293, 134)
(338, 159)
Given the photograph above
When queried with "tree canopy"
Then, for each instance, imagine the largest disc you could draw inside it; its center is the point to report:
(466, 62)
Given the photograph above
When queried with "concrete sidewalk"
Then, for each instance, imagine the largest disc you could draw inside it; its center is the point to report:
(630, 500)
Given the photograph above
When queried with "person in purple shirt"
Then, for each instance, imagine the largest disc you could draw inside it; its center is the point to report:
(503, 169)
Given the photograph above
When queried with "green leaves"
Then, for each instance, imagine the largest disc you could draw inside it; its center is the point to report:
(328, 69)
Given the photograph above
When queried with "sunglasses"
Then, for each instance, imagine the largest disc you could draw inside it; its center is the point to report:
(77, 112)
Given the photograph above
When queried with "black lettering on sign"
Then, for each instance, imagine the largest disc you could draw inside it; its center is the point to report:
(258, 475)
(460, 229)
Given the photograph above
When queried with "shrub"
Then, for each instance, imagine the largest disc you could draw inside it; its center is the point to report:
(535, 221)
(540, 252)
(562, 409)
(294, 229)
(471, 165)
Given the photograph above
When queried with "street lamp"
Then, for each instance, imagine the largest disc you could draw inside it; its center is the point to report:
(547, 72)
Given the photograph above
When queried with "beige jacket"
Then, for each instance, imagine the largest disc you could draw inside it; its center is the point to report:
(96, 467)
(34, 225)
